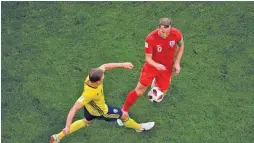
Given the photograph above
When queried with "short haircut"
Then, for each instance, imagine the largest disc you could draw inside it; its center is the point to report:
(165, 22)
(95, 74)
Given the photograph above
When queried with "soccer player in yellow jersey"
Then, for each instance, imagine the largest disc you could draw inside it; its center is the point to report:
(93, 102)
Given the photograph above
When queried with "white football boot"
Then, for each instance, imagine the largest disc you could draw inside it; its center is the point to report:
(146, 126)
(119, 122)
(54, 139)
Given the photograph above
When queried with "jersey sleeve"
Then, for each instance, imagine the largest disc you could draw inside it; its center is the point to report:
(148, 46)
(84, 99)
(179, 38)
(87, 78)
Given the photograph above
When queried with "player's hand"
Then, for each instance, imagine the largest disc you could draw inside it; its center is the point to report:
(66, 130)
(127, 65)
(177, 69)
(160, 67)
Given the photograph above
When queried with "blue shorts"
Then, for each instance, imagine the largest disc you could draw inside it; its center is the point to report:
(112, 115)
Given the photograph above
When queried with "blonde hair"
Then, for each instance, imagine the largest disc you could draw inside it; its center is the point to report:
(95, 74)
(165, 22)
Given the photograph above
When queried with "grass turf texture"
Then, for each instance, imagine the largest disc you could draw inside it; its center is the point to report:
(49, 47)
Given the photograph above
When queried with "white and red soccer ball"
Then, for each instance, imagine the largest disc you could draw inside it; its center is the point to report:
(155, 95)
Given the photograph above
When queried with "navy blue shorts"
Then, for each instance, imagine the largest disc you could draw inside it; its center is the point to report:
(112, 115)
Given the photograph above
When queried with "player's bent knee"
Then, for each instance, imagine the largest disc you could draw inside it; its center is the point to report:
(140, 92)
(87, 122)
(124, 117)
(140, 89)
(165, 92)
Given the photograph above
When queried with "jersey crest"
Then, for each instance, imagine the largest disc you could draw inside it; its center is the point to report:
(172, 43)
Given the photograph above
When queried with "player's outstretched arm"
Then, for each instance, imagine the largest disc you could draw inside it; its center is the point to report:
(71, 115)
(109, 66)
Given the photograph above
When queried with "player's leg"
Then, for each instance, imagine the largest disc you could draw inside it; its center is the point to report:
(163, 81)
(154, 82)
(139, 127)
(147, 75)
(133, 96)
(113, 113)
(74, 127)
(116, 113)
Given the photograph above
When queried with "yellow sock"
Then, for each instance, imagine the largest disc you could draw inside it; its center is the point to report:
(74, 127)
(130, 123)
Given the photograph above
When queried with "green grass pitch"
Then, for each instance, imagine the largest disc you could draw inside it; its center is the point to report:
(48, 48)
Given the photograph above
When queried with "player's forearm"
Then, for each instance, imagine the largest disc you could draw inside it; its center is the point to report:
(150, 61)
(70, 117)
(179, 54)
(110, 66)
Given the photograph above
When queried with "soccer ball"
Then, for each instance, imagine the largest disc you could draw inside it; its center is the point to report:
(155, 95)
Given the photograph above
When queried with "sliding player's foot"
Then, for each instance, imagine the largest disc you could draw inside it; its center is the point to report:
(146, 126)
(54, 139)
(119, 122)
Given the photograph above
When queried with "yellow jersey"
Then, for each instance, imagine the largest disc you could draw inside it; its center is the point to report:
(93, 99)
